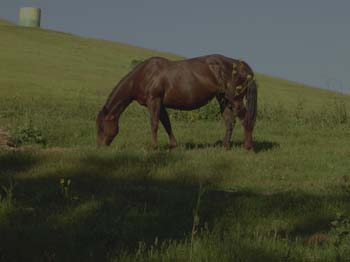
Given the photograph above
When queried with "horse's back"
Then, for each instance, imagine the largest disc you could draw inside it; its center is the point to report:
(182, 84)
(188, 84)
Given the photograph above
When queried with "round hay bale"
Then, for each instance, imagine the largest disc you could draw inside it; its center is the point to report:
(30, 16)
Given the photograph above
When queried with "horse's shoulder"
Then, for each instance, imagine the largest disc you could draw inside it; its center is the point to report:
(155, 63)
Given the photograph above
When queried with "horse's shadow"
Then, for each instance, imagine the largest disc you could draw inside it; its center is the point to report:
(258, 146)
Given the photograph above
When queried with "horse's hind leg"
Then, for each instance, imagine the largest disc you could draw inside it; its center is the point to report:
(154, 105)
(229, 119)
(248, 131)
(164, 118)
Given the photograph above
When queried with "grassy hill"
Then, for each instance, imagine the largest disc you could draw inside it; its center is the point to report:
(63, 200)
(44, 71)
(5, 22)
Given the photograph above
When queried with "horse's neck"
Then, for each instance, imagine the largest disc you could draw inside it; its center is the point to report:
(119, 100)
(121, 96)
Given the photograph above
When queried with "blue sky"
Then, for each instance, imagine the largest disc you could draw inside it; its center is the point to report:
(304, 41)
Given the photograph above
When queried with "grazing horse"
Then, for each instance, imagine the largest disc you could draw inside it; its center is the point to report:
(159, 83)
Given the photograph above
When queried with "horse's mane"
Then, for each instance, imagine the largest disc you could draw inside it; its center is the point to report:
(123, 81)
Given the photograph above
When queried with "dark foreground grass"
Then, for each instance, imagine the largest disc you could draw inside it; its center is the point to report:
(136, 205)
(62, 199)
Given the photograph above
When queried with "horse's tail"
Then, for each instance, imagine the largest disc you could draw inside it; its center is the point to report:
(251, 105)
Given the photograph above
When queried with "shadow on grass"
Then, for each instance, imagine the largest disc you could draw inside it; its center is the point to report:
(16, 161)
(259, 146)
(114, 201)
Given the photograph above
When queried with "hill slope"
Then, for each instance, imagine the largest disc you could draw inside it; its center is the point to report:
(5, 22)
(58, 62)
(67, 201)
(40, 61)
(46, 73)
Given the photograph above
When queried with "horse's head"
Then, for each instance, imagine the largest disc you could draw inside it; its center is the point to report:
(107, 127)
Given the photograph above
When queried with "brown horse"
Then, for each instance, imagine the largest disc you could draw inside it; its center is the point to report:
(158, 83)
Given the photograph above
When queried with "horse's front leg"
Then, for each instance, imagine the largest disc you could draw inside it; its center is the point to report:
(154, 105)
(164, 118)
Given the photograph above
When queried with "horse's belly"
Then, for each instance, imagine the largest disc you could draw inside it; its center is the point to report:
(185, 100)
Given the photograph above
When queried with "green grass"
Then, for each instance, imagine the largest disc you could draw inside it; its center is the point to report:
(127, 203)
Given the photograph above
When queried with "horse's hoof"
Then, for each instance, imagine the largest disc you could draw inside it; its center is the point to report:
(248, 147)
(227, 146)
(172, 146)
(153, 148)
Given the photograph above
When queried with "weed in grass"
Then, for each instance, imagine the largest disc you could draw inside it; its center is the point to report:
(8, 198)
(340, 236)
(7, 203)
(7, 187)
(28, 133)
(196, 218)
(65, 186)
